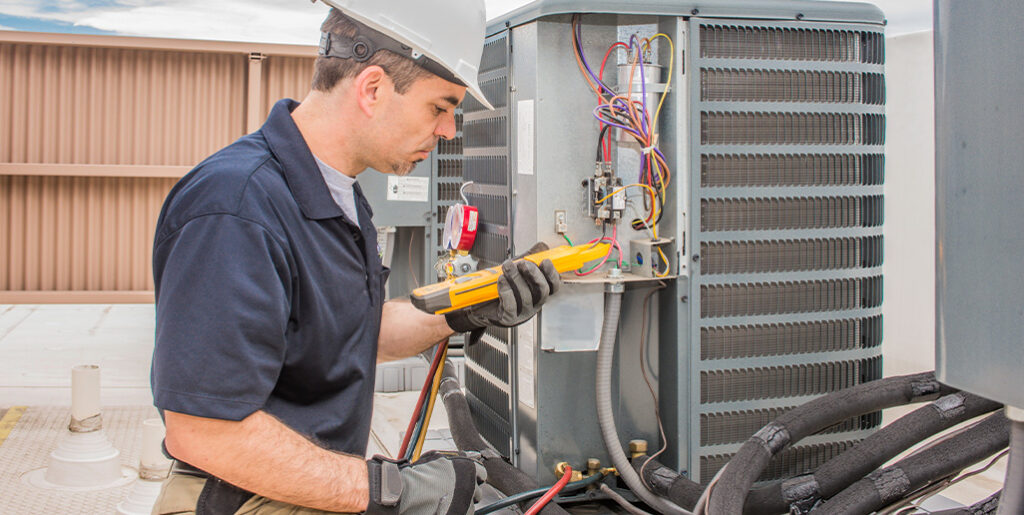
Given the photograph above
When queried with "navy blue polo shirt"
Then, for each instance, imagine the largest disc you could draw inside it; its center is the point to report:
(267, 296)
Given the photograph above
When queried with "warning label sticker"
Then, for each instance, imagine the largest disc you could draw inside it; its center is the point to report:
(408, 189)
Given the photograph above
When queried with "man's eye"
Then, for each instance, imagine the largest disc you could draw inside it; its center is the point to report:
(439, 110)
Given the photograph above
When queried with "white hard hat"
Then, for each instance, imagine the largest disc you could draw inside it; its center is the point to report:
(445, 38)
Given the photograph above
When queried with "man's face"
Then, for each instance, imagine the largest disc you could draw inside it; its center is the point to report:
(410, 124)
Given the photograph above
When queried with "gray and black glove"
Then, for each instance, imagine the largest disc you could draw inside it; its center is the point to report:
(438, 483)
(522, 289)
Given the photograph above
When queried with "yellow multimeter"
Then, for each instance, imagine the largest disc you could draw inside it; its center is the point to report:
(482, 286)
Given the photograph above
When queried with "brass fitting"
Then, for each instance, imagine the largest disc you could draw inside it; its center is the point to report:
(560, 471)
(593, 466)
(637, 448)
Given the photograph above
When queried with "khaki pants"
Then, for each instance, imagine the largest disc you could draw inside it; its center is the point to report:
(180, 492)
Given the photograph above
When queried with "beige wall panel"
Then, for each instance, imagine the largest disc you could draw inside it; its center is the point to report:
(78, 233)
(285, 77)
(94, 132)
(91, 105)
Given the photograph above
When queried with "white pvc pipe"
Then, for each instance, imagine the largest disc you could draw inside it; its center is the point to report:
(153, 461)
(85, 392)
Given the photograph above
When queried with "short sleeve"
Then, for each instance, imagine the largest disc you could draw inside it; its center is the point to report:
(223, 288)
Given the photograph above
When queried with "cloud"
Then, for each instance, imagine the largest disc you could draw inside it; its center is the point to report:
(285, 21)
(294, 21)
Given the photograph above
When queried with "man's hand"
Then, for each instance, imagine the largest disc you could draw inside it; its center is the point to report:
(522, 288)
(438, 483)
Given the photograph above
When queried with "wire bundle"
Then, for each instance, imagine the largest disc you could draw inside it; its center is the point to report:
(416, 431)
(632, 116)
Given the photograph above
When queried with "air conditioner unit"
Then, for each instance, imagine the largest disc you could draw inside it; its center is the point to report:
(772, 128)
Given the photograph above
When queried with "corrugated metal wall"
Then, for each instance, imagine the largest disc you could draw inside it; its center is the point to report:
(94, 131)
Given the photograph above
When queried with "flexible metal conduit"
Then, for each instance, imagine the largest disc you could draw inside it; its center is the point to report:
(1012, 500)
(605, 414)
(500, 474)
(729, 495)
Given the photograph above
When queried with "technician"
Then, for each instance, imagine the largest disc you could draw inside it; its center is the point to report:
(269, 288)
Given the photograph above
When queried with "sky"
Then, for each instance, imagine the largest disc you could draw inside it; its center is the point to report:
(267, 21)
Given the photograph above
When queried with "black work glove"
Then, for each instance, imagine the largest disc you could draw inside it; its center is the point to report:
(438, 483)
(522, 288)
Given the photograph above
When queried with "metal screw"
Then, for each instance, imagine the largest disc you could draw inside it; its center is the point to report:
(695, 12)
(684, 298)
(800, 16)
(696, 258)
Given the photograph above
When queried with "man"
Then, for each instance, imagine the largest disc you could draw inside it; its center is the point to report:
(269, 289)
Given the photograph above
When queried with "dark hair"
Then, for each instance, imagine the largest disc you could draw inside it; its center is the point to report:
(329, 71)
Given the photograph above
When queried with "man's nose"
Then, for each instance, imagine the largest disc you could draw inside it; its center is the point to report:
(446, 127)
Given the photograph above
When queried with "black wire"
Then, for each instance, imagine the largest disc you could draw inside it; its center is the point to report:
(600, 139)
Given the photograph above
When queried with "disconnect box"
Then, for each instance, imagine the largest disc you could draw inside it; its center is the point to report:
(652, 257)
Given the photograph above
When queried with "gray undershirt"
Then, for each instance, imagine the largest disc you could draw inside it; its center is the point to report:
(340, 186)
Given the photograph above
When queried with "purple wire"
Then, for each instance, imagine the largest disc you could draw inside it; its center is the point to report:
(583, 58)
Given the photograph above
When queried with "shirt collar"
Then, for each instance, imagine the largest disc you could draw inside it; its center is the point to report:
(300, 170)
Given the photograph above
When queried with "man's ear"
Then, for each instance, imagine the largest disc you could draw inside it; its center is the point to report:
(371, 86)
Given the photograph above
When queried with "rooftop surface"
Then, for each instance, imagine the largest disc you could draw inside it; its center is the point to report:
(40, 344)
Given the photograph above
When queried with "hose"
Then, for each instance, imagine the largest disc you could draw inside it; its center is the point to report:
(947, 457)
(730, 493)
(551, 493)
(1012, 500)
(869, 454)
(605, 415)
(668, 483)
(500, 474)
(531, 494)
(621, 501)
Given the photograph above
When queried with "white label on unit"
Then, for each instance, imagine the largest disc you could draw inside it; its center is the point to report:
(408, 189)
(525, 345)
(524, 140)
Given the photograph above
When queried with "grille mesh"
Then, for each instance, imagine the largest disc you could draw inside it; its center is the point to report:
(762, 214)
(491, 358)
(788, 463)
(733, 42)
(750, 384)
(487, 136)
(492, 427)
(725, 128)
(487, 132)
(487, 170)
(737, 426)
(822, 83)
(724, 170)
(749, 341)
(752, 85)
(750, 299)
(738, 257)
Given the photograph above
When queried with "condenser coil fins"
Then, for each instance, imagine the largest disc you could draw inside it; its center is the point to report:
(486, 155)
(787, 146)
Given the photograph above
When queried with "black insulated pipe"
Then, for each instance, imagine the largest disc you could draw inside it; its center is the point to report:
(1012, 500)
(668, 483)
(730, 493)
(947, 457)
(869, 454)
(500, 474)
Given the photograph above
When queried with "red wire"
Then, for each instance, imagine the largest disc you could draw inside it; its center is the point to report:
(607, 143)
(427, 385)
(550, 494)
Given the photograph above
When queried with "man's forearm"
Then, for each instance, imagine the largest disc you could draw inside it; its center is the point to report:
(406, 331)
(262, 455)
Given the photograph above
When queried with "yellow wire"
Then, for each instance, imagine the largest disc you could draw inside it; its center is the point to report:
(665, 259)
(654, 206)
(430, 406)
